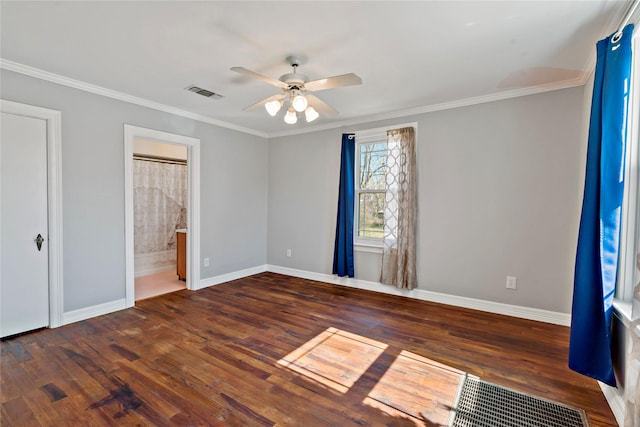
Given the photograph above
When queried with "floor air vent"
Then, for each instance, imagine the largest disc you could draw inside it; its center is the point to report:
(482, 404)
(203, 92)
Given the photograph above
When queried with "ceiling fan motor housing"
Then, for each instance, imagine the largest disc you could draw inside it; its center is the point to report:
(294, 79)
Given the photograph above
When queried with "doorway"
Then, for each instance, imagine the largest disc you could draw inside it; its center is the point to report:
(31, 227)
(151, 263)
(160, 217)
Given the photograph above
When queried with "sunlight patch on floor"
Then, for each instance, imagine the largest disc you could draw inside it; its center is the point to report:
(334, 358)
(396, 382)
(416, 386)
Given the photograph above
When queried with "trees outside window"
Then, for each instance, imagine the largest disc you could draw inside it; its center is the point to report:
(370, 189)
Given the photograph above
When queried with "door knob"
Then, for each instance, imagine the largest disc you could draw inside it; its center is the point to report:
(39, 240)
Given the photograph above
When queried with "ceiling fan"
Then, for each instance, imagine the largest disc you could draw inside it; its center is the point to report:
(295, 92)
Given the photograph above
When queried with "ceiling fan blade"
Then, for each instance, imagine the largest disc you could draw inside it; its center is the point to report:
(264, 101)
(258, 76)
(321, 106)
(333, 82)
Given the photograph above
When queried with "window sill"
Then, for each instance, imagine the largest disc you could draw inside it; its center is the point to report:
(368, 248)
(623, 309)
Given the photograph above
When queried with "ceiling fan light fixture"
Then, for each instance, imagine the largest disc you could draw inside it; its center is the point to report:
(299, 103)
(295, 89)
(290, 118)
(273, 107)
(311, 114)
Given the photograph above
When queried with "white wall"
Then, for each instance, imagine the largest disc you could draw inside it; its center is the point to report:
(499, 194)
(146, 147)
(233, 188)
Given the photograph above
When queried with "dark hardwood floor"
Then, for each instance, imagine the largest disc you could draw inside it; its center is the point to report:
(275, 350)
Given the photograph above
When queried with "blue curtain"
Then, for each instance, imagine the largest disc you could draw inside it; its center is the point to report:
(599, 236)
(343, 250)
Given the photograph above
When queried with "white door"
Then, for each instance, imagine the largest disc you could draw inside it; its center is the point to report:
(24, 271)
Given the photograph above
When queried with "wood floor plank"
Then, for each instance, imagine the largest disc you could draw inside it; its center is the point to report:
(42, 408)
(170, 385)
(8, 386)
(17, 412)
(273, 350)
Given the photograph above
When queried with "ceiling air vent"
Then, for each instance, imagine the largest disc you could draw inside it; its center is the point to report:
(203, 92)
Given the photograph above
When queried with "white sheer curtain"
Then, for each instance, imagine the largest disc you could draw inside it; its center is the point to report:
(159, 192)
(399, 242)
(632, 386)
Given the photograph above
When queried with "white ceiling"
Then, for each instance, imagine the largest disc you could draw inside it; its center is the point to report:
(410, 55)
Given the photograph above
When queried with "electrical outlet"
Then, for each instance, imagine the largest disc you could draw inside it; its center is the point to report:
(206, 262)
(511, 282)
(289, 253)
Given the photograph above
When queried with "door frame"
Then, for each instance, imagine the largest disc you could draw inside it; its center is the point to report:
(53, 120)
(193, 200)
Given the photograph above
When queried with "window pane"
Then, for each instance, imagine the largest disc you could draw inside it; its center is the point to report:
(371, 215)
(373, 168)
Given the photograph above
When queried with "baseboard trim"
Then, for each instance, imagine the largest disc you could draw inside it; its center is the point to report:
(458, 301)
(121, 304)
(93, 311)
(421, 294)
(216, 280)
(149, 272)
(615, 401)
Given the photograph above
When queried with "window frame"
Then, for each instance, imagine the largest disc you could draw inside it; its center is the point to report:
(376, 138)
(365, 137)
(628, 275)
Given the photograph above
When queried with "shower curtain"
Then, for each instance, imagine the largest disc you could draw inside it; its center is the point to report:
(159, 193)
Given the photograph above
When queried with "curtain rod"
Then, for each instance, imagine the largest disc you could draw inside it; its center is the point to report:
(158, 159)
(625, 21)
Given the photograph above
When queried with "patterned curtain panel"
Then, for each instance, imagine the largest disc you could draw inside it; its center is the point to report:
(399, 241)
(159, 194)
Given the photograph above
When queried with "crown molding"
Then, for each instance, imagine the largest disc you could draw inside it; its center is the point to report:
(99, 90)
(87, 87)
(499, 96)
(611, 25)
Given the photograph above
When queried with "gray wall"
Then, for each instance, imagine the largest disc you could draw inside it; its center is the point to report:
(499, 194)
(233, 188)
(500, 187)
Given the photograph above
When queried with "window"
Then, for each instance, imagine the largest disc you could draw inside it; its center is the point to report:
(630, 233)
(370, 187)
